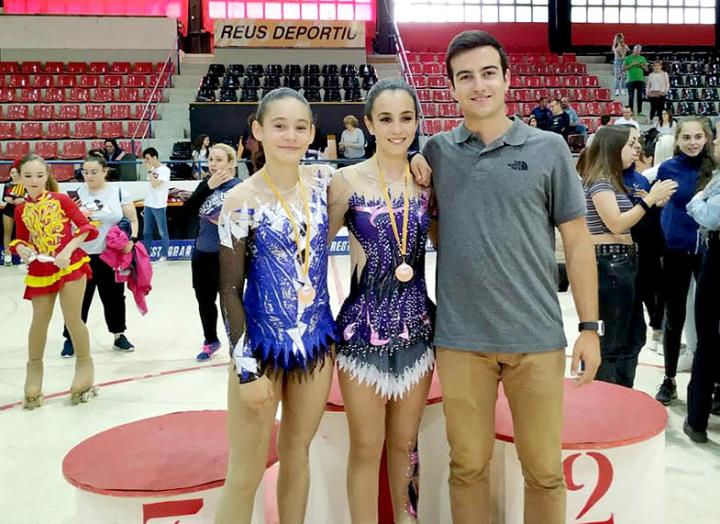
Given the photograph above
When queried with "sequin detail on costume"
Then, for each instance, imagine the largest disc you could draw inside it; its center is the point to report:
(45, 220)
(282, 333)
(386, 325)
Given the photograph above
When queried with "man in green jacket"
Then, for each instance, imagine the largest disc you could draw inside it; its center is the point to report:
(636, 66)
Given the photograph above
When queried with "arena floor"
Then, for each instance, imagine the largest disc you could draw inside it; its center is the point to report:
(162, 376)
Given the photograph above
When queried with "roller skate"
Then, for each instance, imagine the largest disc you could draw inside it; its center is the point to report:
(82, 389)
(33, 385)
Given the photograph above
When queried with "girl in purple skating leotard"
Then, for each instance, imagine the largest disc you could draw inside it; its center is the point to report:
(384, 353)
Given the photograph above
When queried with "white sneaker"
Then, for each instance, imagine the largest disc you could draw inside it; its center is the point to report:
(656, 340)
(7, 258)
(685, 362)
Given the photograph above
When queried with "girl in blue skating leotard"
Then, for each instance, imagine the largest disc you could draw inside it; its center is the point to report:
(273, 232)
(384, 352)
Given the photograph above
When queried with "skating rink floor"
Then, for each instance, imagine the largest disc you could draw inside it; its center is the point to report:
(162, 376)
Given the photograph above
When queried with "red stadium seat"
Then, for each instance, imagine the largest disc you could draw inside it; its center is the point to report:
(79, 94)
(63, 172)
(127, 145)
(426, 57)
(43, 112)
(120, 112)
(30, 94)
(73, 149)
(112, 129)
(589, 81)
(416, 68)
(48, 150)
(88, 81)
(18, 81)
(432, 126)
(420, 82)
(58, 130)
(147, 93)
(17, 112)
(7, 130)
(120, 68)
(448, 110)
(66, 81)
(142, 114)
(84, 130)
(142, 68)
(43, 81)
(429, 110)
(425, 95)
(135, 81)
(98, 68)
(432, 69)
(94, 112)
(69, 112)
(7, 68)
(7, 94)
(103, 94)
(603, 94)
(138, 129)
(54, 94)
(442, 95)
(114, 81)
(53, 68)
(448, 124)
(436, 82)
(31, 68)
(128, 94)
(15, 150)
(594, 108)
(570, 81)
(76, 68)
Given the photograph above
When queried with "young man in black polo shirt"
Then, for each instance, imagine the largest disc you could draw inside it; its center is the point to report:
(502, 187)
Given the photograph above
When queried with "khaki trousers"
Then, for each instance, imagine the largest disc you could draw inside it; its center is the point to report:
(533, 384)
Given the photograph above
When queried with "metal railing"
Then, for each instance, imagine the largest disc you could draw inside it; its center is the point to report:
(163, 82)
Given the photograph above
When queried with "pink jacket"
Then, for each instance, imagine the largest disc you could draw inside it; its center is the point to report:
(134, 267)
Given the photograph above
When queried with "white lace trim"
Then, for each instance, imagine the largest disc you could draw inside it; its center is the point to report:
(387, 384)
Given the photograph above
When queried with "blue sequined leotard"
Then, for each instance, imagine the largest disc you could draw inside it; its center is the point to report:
(281, 332)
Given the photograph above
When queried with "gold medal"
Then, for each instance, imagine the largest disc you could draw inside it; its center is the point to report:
(306, 293)
(404, 272)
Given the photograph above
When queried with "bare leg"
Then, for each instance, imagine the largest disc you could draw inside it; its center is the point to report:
(365, 412)
(402, 425)
(303, 407)
(249, 433)
(37, 337)
(71, 297)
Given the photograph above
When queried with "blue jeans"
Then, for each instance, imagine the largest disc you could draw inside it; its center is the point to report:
(156, 217)
(619, 74)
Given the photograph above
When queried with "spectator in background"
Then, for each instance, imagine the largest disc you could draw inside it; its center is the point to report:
(13, 195)
(319, 144)
(658, 85)
(155, 213)
(627, 118)
(249, 148)
(542, 113)
(532, 121)
(635, 66)
(664, 147)
(620, 51)
(352, 140)
(604, 120)
(560, 122)
(200, 150)
(122, 163)
(113, 152)
(665, 122)
(575, 125)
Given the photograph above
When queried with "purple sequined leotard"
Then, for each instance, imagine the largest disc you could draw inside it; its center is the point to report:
(385, 325)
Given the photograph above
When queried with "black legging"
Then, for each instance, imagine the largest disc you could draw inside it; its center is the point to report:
(678, 269)
(206, 283)
(112, 296)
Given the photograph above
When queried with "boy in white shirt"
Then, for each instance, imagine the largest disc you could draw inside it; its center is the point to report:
(156, 201)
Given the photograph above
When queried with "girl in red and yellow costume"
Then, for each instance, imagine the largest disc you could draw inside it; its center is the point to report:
(50, 228)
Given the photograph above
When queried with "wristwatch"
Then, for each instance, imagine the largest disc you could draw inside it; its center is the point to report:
(598, 326)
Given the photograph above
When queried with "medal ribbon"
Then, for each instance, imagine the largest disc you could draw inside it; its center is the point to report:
(406, 208)
(291, 218)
